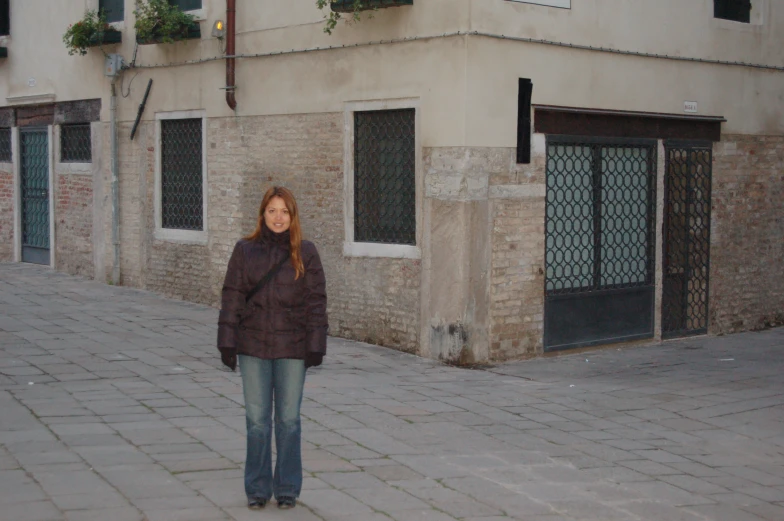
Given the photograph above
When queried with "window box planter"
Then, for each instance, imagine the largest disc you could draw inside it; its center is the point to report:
(188, 32)
(347, 6)
(3, 52)
(91, 31)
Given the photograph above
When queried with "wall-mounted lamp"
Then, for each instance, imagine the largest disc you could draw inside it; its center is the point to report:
(218, 29)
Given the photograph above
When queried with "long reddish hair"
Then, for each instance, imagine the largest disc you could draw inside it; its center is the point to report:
(295, 230)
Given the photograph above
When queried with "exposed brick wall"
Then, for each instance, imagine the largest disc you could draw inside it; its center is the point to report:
(517, 262)
(513, 268)
(136, 164)
(74, 225)
(6, 214)
(747, 234)
(517, 280)
(376, 300)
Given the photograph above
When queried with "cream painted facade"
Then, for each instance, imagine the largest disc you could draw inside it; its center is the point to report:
(472, 288)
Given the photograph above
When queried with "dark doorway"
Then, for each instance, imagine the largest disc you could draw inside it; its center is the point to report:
(686, 256)
(599, 241)
(34, 178)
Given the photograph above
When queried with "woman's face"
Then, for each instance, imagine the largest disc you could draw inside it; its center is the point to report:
(276, 215)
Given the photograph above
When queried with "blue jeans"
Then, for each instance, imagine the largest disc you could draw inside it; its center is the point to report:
(265, 381)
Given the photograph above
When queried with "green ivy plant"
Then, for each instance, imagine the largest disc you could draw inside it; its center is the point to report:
(87, 32)
(331, 19)
(160, 21)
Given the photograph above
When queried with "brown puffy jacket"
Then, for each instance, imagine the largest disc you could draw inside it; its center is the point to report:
(287, 318)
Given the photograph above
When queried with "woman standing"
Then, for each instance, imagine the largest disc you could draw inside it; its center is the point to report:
(273, 317)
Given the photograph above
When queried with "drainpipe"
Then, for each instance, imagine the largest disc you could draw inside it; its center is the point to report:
(230, 34)
(115, 186)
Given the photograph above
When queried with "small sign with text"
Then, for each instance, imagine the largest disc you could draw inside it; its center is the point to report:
(690, 106)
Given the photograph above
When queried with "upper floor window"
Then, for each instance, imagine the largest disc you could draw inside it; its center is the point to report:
(5, 17)
(113, 9)
(187, 5)
(735, 10)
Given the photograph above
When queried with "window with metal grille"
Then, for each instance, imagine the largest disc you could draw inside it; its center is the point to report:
(5, 145)
(113, 9)
(187, 5)
(735, 10)
(384, 177)
(181, 174)
(599, 216)
(5, 17)
(75, 143)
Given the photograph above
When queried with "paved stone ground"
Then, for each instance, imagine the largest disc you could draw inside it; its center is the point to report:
(113, 407)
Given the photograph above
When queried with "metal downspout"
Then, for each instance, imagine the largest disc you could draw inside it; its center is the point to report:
(230, 37)
(115, 187)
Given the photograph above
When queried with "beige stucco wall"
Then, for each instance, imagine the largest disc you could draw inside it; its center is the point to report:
(672, 27)
(750, 99)
(445, 72)
(38, 63)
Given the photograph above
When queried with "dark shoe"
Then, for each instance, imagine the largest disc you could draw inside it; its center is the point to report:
(286, 502)
(256, 504)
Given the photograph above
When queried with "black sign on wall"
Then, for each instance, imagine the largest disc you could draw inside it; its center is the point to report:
(5, 17)
(524, 90)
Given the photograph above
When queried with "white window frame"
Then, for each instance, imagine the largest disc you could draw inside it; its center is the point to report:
(352, 248)
(563, 4)
(169, 234)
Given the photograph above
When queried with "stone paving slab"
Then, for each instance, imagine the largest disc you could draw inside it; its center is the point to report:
(114, 406)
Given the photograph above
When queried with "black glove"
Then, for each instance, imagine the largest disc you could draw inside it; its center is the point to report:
(229, 358)
(313, 359)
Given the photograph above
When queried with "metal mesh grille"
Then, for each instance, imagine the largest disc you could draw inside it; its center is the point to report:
(599, 216)
(384, 178)
(75, 143)
(181, 174)
(35, 189)
(687, 241)
(5, 145)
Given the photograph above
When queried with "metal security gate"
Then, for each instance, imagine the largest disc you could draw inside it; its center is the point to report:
(34, 180)
(686, 255)
(600, 241)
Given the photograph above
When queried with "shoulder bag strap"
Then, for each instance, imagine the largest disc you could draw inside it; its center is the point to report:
(266, 278)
